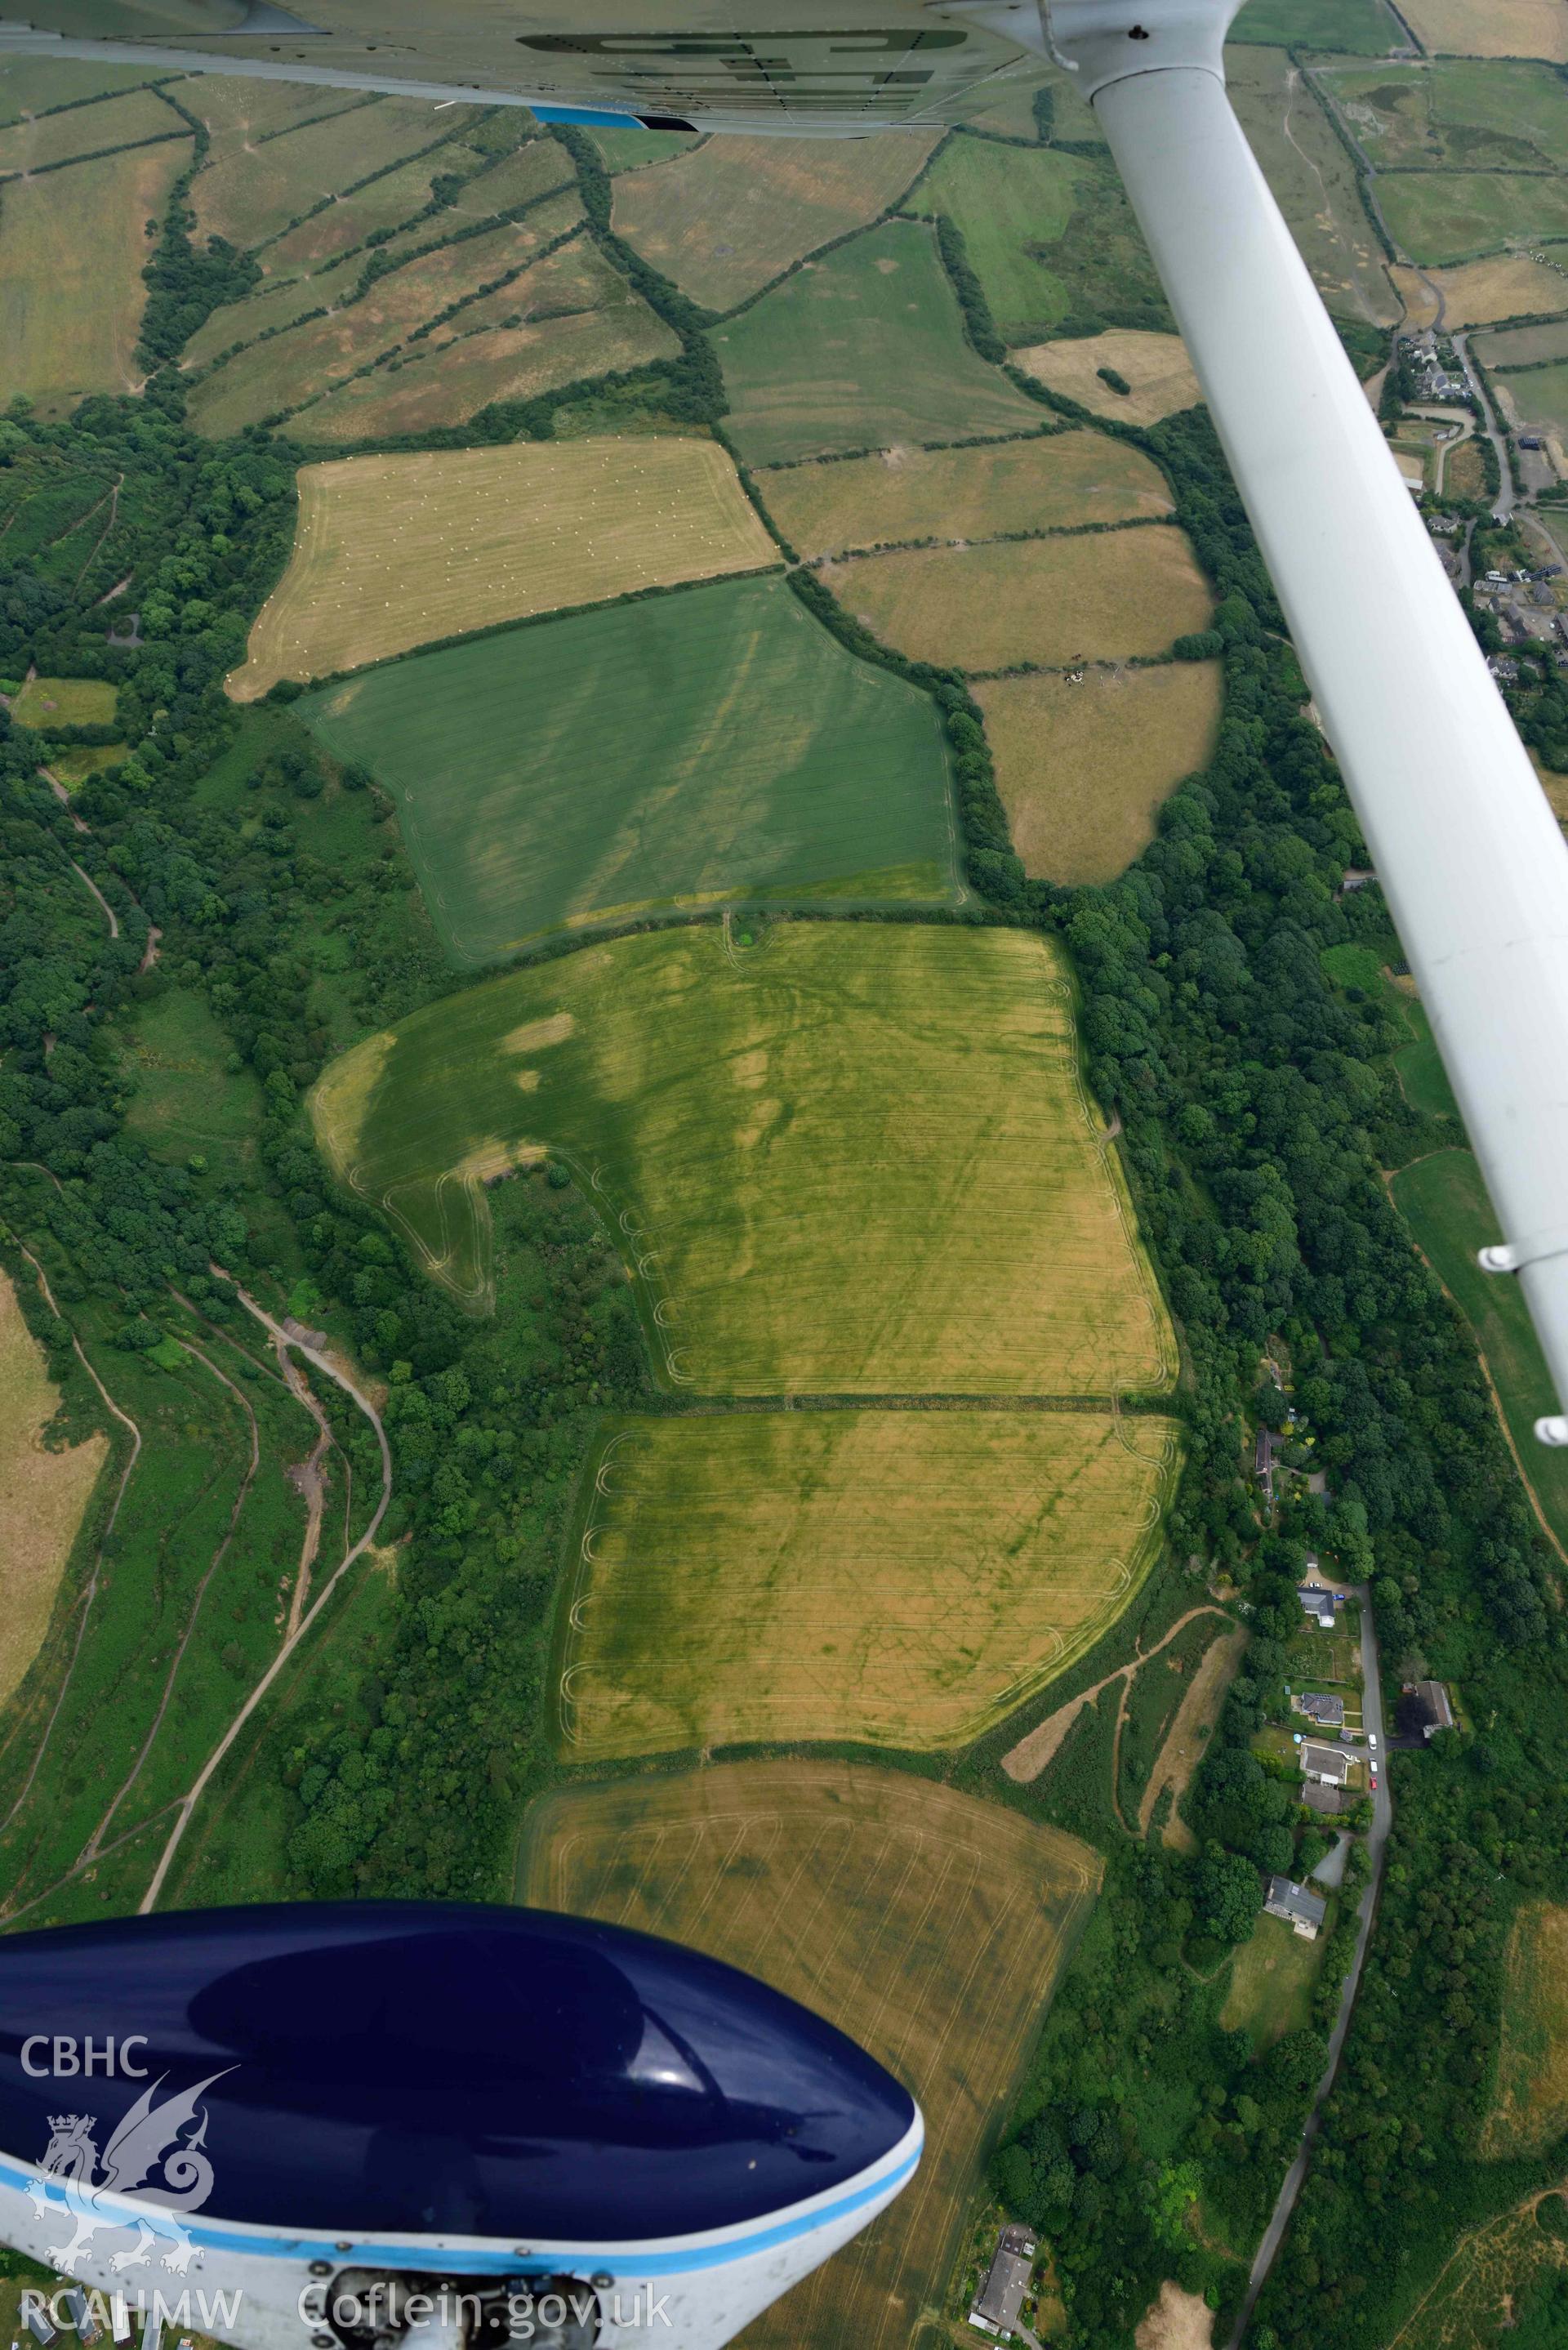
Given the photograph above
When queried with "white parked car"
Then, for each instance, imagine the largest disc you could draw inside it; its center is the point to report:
(1372, 1738)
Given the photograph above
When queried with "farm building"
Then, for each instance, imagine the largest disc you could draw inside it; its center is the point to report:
(1329, 1765)
(997, 2306)
(1328, 1713)
(1303, 1911)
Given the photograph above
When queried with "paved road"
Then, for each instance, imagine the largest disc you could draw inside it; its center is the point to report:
(1505, 500)
(1378, 1846)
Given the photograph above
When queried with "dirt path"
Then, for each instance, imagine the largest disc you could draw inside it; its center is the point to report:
(308, 1480)
(1183, 1748)
(90, 1593)
(63, 796)
(323, 1363)
(97, 893)
(1026, 1761)
(94, 1844)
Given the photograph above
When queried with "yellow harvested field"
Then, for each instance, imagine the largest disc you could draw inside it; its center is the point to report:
(726, 217)
(1529, 2101)
(507, 363)
(1106, 595)
(931, 1927)
(1502, 28)
(73, 244)
(291, 369)
(86, 130)
(394, 552)
(1082, 770)
(249, 191)
(43, 1495)
(1047, 481)
(1155, 366)
(900, 1579)
(1478, 293)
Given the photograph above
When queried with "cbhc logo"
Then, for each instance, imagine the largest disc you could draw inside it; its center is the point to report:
(68, 2058)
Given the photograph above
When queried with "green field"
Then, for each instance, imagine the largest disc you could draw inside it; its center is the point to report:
(1444, 1201)
(185, 1100)
(1271, 1982)
(1351, 28)
(1459, 113)
(1050, 236)
(860, 349)
(901, 1578)
(38, 85)
(713, 743)
(854, 1158)
(1450, 216)
(47, 702)
(1524, 347)
(1540, 395)
(1314, 182)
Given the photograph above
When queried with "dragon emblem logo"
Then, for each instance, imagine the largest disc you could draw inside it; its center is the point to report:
(149, 2157)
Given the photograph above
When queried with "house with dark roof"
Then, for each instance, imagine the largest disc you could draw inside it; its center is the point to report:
(1423, 1710)
(998, 2305)
(1328, 1713)
(1329, 1765)
(1303, 1911)
(1326, 1801)
(1318, 1601)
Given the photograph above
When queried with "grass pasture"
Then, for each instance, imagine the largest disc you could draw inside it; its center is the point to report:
(1314, 182)
(1271, 1980)
(49, 139)
(1503, 29)
(534, 171)
(1344, 27)
(185, 1099)
(677, 751)
(296, 367)
(43, 1494)
(1448, 217)
(634, 151)
(1529, 2108)
(931, 1927)
(731, 214)
(1083, 769)
(862, 349)
(392, 552)
(1540, 395)
(1155, 366)
(852, 1160)
(1501, 2288)
(73, 245)
(38, 85)
(1443, 1200)
(250, 192)
(1458, 114)
(1049, 482)
(1525, 347)
(45, 703)
(1051, 236)
(1105, 596)
(903, 1579)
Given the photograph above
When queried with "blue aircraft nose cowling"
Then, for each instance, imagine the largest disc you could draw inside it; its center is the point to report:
(454, 2070)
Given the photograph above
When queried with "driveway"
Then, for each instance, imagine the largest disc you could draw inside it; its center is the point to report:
(1377, 1846)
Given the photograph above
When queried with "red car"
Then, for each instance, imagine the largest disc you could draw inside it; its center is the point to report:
(1375, 1782)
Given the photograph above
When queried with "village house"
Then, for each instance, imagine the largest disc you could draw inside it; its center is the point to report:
(998, 2305)
(1329, 1765)
(1303, 1911)
(1328, 1713)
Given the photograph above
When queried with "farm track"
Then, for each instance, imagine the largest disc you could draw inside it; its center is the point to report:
(280, 1338)
(1027, 1760)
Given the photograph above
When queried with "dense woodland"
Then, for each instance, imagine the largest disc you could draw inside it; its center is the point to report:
(1257, 1108)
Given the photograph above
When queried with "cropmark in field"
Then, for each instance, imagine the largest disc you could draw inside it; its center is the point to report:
(1530, 2100)
(730, 215)
(1154, 367)
(902, 1578)
(1084, 768)
(1457, 113)
(931, 1927)
(851, 1161)
(1047, 481)
(394, 552)
(73, 244)
(861, 350)
(1103, 596)
(678, 751)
